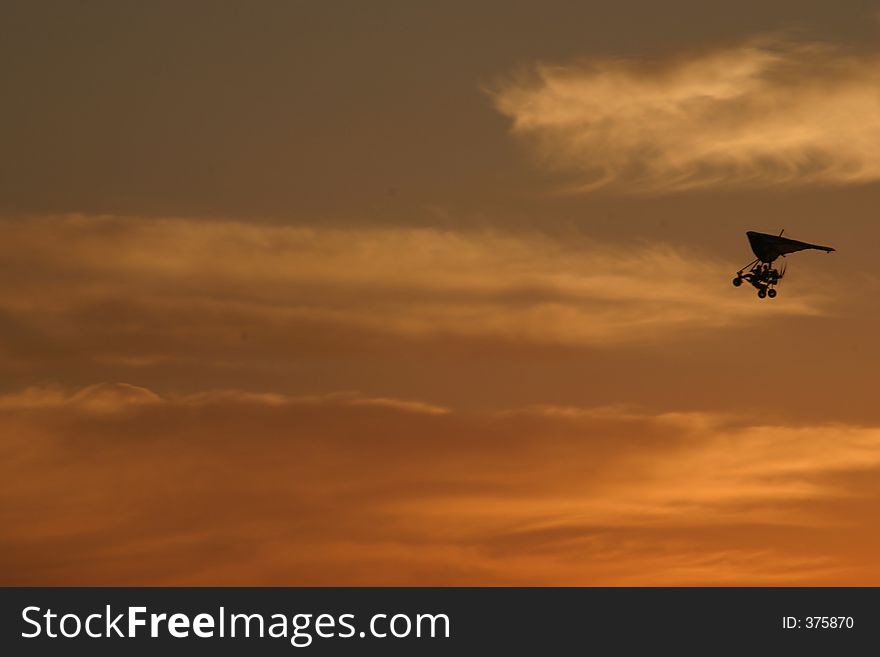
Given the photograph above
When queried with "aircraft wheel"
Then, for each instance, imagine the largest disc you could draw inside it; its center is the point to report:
(737, 281)
(762, 293)
(771, 293)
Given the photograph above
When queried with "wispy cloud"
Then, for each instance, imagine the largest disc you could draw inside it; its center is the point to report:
(140, 292)
(228, 487)
(102, 398)
(768, 112)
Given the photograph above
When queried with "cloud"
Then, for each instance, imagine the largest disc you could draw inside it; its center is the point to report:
(99, 398)
(143, 292)
(236, 488)
(767, 112)
(114, 397)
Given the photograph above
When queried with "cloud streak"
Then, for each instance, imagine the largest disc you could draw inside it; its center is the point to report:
(231, 488)
(143, 292)
(767, 112)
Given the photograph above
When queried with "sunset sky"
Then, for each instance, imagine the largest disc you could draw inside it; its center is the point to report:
(402, 293)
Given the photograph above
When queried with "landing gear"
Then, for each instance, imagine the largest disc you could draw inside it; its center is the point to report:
(762, 276)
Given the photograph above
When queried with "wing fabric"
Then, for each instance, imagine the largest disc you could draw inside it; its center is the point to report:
(769, 247)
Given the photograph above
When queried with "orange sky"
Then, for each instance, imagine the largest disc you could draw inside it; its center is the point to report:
(336, 294)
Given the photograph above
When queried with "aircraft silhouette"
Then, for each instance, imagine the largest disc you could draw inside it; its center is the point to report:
(762, 275)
